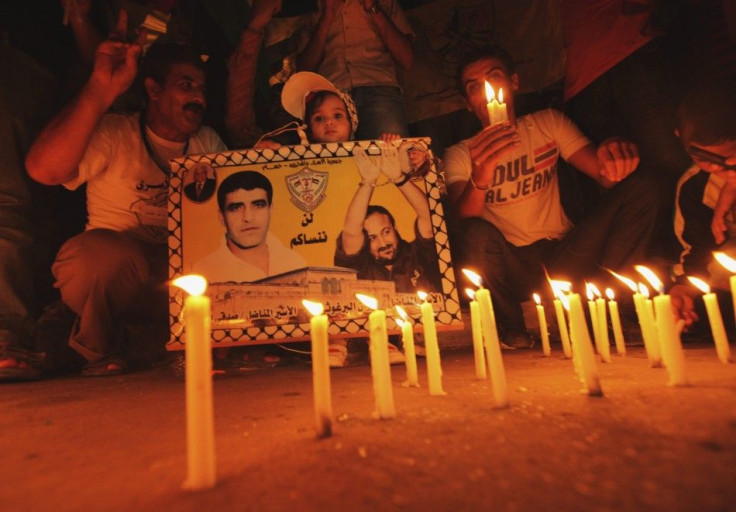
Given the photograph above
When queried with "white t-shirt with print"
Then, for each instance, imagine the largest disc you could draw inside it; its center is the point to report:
(126, 190)
(523, 199)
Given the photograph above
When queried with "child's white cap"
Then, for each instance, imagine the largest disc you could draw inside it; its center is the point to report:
(300, 85)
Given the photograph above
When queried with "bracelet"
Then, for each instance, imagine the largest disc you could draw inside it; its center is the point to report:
(368, 184)
(475, 186)
(403, 180)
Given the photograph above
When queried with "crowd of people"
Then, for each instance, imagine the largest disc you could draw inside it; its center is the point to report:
(339, 81)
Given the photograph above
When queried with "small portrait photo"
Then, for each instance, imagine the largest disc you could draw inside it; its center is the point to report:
(414, 159)
(200, 185)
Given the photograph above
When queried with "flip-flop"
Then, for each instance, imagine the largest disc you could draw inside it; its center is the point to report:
(28, 367)
(101, 367)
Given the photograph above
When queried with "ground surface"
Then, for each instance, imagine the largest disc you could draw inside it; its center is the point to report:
(118, 443)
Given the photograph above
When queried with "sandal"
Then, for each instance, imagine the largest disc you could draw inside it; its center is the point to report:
(105, 367)
(27, 366)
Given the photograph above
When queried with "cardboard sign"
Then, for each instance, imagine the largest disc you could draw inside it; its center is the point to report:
(270, 228)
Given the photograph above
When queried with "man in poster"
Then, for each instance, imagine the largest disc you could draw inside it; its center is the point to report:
(249, 251)
(369, 241)
(202, 186)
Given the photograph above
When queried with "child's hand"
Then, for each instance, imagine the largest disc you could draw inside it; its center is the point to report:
(369, 166)
(682, 305)
(390, 137)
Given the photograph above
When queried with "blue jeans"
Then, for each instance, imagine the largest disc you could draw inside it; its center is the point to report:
(25, 101)
(380, 110)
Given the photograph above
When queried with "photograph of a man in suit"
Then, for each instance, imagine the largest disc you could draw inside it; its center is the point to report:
(202, 186)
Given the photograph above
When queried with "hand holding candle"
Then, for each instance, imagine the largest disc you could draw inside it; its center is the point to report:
(200, 414)
(380, 366)
(320, 368)
(410, 353)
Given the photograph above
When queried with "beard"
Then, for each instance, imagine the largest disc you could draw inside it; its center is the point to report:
(381, 260)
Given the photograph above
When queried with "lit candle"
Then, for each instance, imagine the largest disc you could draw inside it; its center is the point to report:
(618, 332)
(648, 309)
(669, 339)
(582, 346)
(434, 365)
(320, 368)
(558, 287)
(410, 353)
(475, 323)
(716, 321)
(200, 414)
(593, 310)
(380, 366)
(648, 330)
(730, 265)
(546, 349)
(493, 344)
(497, 112)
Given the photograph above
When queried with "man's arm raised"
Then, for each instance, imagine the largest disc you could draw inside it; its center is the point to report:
(352, 232)
(391, 167)
(55, 155)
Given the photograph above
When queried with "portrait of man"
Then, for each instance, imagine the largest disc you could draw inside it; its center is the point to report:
(248, 251)
(202, 186)
(370, 242)
(416, 154)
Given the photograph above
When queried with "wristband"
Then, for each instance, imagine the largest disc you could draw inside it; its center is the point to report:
(403, 180)
(475, 186)
(362, 183)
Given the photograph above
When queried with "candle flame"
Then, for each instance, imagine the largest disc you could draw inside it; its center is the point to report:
(560, 287)
(401, 313)
(628, 282)
(537, 299)
(490, 95)
(474, 278)
(609, 294)
(399, 322)
(650, 276)
(314, 308)
(470, 293)
(595, 290)
(589, 291)
(565, 301)
(699, 284)
(500, 95)
(725, 260)
(369, 301)
(644, 290)
(422, 295)
(193, 284)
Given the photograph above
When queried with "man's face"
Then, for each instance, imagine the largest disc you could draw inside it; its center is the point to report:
(382, 237)
(200, 174)
(726, 149)
(474, 77)
(330, 122)
(416, 157)
(181, 100)
(246, 217)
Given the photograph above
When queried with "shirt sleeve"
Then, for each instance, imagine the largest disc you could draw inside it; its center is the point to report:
(396, 14)
(558, 126)
(98, 153)
(457, 163)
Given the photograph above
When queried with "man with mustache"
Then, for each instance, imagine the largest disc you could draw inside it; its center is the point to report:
(120, 260)
(370, 242)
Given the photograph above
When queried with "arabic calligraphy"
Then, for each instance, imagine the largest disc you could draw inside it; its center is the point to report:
(303, 238)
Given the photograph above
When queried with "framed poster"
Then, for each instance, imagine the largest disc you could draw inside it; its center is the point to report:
(268, 228)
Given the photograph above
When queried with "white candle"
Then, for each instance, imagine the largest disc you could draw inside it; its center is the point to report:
(380, 366)
(730, 265)
(669, 338)
(477, 332)
(546, 349)
(201, 472)
(618, 333)
(582, 346)
(715, 319)
(558, 288)
(603, 330)
(320, 368)
(648, 327)
(497, 112)
(410, 353)
(593, 311)
(432, 347)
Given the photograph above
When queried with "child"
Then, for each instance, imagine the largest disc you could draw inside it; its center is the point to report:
(706, 192)
(329, 116)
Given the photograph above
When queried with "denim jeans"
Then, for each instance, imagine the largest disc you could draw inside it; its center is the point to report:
(26, 98)
(380, 110)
